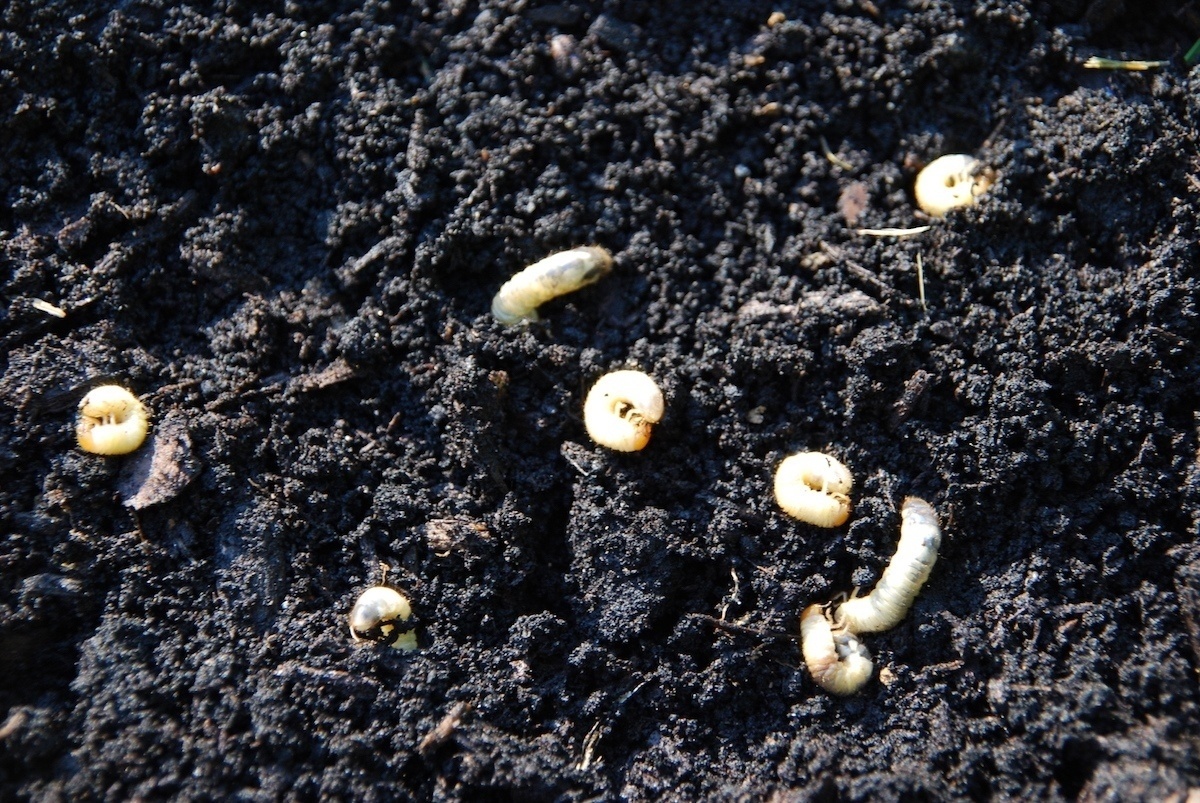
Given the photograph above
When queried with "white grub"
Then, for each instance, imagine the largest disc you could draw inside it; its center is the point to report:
(838, 661)
(893, 595)
(621, 409)
(553, 276)
(950, 182)
(814, 488)
(111, 421)
(380, 615)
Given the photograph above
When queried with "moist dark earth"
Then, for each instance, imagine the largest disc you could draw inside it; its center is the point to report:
(282, 226)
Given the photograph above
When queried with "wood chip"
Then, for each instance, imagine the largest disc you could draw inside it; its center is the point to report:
(160, 472)
(48, 308)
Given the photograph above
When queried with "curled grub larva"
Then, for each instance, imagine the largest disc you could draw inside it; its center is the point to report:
(838, 661)
(621, 409)
(553, 276)
(111, 421)
(814, 487)
(949, 182)
(384, 615)
(893, 595)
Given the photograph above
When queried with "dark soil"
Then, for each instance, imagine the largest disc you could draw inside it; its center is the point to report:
(283, 228)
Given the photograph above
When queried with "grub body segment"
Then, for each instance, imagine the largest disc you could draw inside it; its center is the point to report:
(556, 275)
(838, 661)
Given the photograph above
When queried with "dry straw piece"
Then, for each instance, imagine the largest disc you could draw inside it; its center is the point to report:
(815, 488)
(553, 276)
(111, 421)
(950, 182)
(621, 409)
(381, 615)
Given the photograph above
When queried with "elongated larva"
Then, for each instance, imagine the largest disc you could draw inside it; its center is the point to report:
(111, 421)
(814, 487)
(553, 276)
(949, 182)
(384, 615)
(893, 595)
(838, 661)
(621, 409)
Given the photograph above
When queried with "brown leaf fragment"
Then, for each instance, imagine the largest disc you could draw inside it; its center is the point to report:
(913, 397)
(337, 371)
(853, 202)
(445, 729)
(159, 473)
(444, 536)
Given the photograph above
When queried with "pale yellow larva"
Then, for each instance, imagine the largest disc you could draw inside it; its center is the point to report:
(553, 276)
(111, 421)
(950, 182)
(838, 661)
(621, 409)
(814, 487)
(383, 615)
(893, 595)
